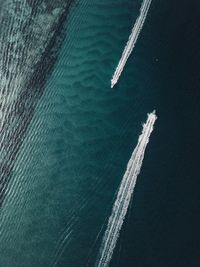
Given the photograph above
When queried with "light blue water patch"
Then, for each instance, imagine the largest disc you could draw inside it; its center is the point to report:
(77, 147)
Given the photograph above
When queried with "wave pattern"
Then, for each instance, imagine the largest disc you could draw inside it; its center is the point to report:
(31, 32)
(124, 194)
(66, 164)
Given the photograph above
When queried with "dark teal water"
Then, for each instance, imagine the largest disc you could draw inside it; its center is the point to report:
(83, 133)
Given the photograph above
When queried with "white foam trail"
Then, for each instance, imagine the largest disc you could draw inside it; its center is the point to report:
(132, 40)
(124, 194)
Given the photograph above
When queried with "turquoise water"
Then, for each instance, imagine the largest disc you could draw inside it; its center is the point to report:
(71, 161)
(83, 133)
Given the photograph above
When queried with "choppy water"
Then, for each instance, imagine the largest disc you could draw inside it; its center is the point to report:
(82, 134)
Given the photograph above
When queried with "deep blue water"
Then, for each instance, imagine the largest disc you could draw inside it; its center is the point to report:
(82, 135)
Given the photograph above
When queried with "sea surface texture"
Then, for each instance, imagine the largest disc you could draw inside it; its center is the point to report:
(66, 136)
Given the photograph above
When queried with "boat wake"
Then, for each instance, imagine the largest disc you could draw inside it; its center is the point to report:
(131, 41)
(125, 192)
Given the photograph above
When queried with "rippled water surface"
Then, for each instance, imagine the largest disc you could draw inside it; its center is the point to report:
(82, 134)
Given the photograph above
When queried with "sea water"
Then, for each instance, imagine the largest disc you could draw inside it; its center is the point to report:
(82, 135)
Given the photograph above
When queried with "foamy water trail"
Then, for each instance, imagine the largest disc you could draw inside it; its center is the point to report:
(131, 41)
(125, 192)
